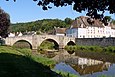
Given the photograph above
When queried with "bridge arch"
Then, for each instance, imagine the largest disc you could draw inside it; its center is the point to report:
(22, 44)
(51, 40)
(70, 43)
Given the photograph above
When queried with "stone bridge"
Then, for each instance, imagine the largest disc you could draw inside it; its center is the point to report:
(36, 40)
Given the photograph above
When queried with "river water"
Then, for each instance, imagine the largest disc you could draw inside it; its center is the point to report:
(86, 64)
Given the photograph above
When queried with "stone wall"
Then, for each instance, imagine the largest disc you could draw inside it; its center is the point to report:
(95, 41)
(36, 40)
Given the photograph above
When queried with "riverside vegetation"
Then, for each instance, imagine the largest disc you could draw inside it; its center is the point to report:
(23, 61)
(93, 52)
(16, 62)
(109, 49)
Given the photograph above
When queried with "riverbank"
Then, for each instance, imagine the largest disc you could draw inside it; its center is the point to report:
(17, 62)
(94, 52)
(21, 63)
(108, 49)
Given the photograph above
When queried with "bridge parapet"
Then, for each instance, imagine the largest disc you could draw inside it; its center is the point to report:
(36, 40)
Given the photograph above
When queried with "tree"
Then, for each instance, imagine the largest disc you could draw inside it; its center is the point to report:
(108, 18)
(68, 20)
(4, 23)
(92, 6)
(113, 21)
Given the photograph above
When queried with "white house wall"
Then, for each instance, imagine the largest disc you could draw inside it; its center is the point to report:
(60, 34)
(82, 32)
(91, 32)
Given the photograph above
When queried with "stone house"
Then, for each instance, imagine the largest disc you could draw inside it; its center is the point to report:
(86, 27)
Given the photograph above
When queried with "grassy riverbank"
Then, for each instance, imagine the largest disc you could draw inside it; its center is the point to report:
(106, 54)
(108, 49)
(27, 53)
(21, 63)
(15, 62)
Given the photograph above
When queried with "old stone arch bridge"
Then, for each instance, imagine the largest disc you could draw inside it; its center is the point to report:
(36, 40)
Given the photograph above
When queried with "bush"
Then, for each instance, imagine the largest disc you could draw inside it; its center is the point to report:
(91, 48)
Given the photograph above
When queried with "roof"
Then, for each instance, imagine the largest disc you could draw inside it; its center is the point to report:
(112, 25)
(89, 69)
(60, 30)
(84, 21)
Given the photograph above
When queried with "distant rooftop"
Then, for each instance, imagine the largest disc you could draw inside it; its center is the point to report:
(84, 21)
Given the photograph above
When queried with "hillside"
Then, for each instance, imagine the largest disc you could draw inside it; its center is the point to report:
(44, 25)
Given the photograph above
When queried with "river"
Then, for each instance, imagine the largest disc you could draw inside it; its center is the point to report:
(86, 64)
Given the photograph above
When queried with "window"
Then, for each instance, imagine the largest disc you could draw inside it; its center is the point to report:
(83, 36)
(98, 31)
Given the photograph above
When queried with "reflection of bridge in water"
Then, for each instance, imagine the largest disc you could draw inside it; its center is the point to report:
(35, 40)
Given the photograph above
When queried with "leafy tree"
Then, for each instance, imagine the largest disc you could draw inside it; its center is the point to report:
(92, 6)
(108, 18)
(113, 21)
(4, 23)
(45, 25)
(68, 20)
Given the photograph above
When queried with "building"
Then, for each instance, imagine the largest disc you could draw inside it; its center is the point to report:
(20, 34)
(15, 34)
(86, 27)
(11, 35)
(58, 31)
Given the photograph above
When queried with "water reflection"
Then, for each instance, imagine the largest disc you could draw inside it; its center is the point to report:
(83, 66)
(90, 68)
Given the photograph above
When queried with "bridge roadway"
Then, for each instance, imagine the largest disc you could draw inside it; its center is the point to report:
(36, 40)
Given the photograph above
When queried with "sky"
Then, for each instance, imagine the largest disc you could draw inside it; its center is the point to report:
(28, 10)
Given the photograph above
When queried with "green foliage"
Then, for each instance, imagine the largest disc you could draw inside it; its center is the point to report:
(91, 48)
(8, 49)
(111, 49)
(71, 48)
(4, 23)
(91, 6)
(44, 25)
(26, 52)
(113, 21)
(13, 65)
(68, 21)
(43, 60)
(66, 74)
(108, 18)
(47, 45)
(22, 44)
(104, 76)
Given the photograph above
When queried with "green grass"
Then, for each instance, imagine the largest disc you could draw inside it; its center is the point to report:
(15, 62)
(66, 74)
(105, 76)
(43, 60)
(21, 63)
(8, 49)
(109, 49)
